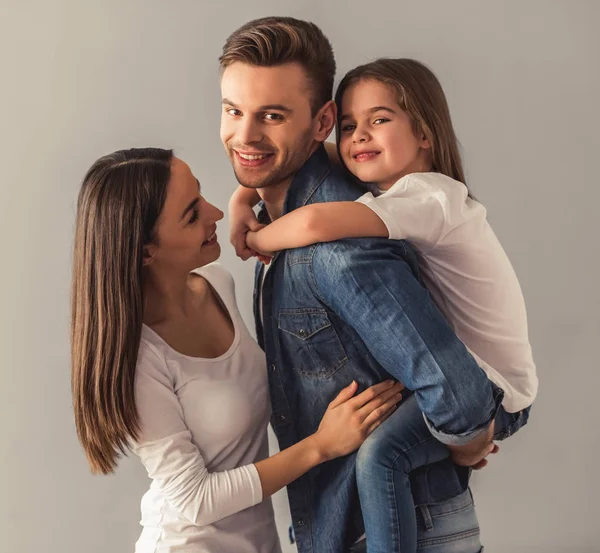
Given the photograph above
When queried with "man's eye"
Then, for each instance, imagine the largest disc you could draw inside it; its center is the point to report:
(233, 111)
(273, 117)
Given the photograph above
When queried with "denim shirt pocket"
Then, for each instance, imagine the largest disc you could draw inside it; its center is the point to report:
(311, 342)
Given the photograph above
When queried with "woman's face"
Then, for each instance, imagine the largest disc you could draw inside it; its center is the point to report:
(186, 228)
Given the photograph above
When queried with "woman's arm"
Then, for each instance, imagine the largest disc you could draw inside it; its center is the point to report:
(322, 222)
(346, 424)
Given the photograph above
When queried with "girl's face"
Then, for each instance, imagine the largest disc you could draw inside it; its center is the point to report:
(186, 228)
(377, 142)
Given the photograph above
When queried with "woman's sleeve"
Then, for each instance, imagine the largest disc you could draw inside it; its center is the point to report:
(174, 462)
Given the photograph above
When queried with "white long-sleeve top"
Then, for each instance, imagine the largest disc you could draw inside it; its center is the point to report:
(467, 273)
(203, 426)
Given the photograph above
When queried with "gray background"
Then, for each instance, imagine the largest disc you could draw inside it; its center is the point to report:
(80, 79)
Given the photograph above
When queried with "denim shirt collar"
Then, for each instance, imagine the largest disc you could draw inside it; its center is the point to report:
(304, 184)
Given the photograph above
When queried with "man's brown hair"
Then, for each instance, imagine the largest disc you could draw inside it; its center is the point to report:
(273, 41)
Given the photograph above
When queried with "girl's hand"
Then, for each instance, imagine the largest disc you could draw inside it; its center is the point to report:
(241, 220)
(349, 420)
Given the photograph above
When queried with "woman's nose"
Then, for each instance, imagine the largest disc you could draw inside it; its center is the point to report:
(218, 214)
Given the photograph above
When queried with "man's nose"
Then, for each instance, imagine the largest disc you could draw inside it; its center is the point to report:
(248, 132)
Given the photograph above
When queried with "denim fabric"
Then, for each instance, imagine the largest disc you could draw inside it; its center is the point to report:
(447, 527)
(355, 309)
(384, 462)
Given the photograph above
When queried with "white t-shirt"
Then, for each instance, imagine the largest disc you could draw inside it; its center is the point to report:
(203, 425)
(468, 274)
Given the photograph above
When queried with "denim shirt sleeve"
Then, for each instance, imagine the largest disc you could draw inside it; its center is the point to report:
(370, 285)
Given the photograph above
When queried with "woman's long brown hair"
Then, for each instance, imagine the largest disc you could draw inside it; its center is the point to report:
(119, 203)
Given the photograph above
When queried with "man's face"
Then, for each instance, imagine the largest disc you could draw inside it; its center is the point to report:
(266, 123)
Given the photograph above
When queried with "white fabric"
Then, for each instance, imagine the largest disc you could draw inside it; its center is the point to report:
(203, 425)
(468, 274)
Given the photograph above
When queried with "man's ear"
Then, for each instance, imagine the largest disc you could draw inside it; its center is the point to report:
(325, 121)
(148, 254)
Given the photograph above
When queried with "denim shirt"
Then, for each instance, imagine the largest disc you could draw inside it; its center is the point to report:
(333, 313)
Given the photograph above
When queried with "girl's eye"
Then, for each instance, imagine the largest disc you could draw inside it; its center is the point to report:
(380, 120)
(194, 216)
(348, 128)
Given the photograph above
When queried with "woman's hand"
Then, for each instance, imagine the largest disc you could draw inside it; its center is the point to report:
(344, 427)
(349, 420)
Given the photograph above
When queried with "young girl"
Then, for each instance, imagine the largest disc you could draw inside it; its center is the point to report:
(395, 135)
(163, 364)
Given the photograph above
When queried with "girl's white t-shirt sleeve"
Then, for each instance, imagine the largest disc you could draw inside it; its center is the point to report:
(414, 210)
(174, 462)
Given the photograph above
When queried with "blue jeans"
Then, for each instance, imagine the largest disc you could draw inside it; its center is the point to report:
(447, 527)
(400, 445)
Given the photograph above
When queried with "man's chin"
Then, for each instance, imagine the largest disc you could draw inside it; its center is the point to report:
(253, 181)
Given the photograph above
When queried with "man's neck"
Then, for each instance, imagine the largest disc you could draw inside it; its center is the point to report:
(274, 196)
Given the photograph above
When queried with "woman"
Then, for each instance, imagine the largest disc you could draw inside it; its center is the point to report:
(163, 364)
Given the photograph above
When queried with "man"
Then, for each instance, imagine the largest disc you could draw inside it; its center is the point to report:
(334, 312)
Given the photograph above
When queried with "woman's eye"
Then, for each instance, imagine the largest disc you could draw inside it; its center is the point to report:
(194, 216)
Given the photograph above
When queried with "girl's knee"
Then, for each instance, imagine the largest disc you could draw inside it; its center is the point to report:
(377, 454)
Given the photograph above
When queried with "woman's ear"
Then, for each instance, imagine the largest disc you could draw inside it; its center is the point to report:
(148, 254)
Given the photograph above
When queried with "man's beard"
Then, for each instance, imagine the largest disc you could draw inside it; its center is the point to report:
(299, 154)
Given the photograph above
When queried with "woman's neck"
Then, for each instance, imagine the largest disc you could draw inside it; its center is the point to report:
(169, 297)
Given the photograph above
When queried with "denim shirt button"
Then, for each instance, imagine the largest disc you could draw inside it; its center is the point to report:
(302, 332)
(282, 418)
(300, 522)
(273, 368)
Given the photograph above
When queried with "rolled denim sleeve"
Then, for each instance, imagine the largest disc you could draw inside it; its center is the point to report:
(370, 285)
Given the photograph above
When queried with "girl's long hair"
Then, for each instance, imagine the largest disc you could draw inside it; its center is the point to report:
(420, 95)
